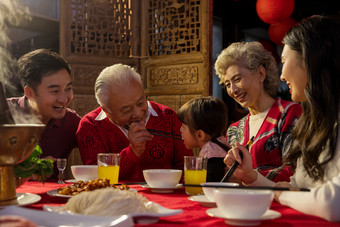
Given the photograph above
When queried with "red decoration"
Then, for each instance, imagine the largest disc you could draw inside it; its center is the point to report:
(279, 30)
(274, 11)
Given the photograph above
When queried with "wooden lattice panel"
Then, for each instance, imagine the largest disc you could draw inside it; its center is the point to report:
(84, 76)
(84, 103)
(100, 27)
(174, 75)
(174, 27)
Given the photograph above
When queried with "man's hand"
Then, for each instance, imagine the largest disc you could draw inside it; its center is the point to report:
(138, 136)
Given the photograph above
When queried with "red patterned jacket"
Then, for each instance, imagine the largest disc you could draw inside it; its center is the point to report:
(272, 141)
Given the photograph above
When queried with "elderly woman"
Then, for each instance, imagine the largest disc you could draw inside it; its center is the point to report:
(250, 76)
(311, 59)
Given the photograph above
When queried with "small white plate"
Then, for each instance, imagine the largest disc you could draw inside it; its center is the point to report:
(54, 192)
(270, 214)
(27, 198)
(162, 190)
(203, 200)
(71, 181)
(140, 218)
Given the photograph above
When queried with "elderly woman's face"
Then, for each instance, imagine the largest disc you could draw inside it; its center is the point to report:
(128, 104)
(294, 73)
(244, 86)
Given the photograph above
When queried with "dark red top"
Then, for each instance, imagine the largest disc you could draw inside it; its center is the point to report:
(59, 136)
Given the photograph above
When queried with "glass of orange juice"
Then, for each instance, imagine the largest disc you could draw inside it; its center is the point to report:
(108, 166)
(195, 172)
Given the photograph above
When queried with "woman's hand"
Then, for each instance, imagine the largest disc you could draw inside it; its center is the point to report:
(283, 184)
(244, 171)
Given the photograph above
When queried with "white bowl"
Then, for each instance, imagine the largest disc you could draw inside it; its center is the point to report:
(85, 172)
(243, 203)
(162, 178)
(209, 191)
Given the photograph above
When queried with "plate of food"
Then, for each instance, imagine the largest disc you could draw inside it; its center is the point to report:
(108, 202)
(69, 191)
(54, 192)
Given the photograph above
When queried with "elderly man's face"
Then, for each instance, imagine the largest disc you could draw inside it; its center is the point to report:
(128, 104)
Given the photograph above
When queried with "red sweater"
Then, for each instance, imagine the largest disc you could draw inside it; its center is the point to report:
(272, 141)
(160, 153)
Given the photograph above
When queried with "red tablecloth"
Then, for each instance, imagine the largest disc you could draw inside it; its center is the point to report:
(193, 213)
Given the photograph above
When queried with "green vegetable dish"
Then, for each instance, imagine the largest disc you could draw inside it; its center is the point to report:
(34, 165)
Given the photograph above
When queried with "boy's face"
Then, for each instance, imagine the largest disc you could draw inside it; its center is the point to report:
(52, 96)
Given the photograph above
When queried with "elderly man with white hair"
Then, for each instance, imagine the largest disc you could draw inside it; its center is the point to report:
(121, 124)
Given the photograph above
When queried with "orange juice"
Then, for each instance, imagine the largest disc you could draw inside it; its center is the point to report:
(194, 177)
(109, 172)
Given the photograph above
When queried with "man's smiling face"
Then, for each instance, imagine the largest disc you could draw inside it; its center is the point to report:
(52, 96)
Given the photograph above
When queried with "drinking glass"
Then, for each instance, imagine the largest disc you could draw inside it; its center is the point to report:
(61, 164)
(108, 166)
(195, 172)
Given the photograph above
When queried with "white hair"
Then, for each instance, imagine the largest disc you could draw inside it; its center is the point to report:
(117, 75)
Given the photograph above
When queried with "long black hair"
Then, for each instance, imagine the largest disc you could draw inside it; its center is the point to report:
(317, 41)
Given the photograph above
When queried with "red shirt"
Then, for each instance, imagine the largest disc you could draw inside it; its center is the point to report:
(59, 136)
(102, 136)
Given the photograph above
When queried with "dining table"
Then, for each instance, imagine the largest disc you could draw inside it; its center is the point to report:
(193, 213)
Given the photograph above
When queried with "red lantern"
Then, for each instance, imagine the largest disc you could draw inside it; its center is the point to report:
(274, 11)
(279, 30)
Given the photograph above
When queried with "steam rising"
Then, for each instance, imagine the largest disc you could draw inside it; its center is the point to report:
(12, 13)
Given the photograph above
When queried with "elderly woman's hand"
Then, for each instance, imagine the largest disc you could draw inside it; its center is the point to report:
(244, 171)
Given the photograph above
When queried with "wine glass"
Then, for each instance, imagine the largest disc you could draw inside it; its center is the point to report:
(61, 164)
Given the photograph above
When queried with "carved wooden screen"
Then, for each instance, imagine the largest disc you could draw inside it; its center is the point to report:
(95, 34)
(175, 47)
(166, 40)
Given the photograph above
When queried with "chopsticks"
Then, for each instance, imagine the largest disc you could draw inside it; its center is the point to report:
(161, 133)
(251, 187)
(166, 134)
(235, 165)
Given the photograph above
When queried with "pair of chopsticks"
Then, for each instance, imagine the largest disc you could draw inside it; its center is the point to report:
(235, 165)
(161, 133)
(251, 187)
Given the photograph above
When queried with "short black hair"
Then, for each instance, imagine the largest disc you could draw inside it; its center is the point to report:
(35, 65)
